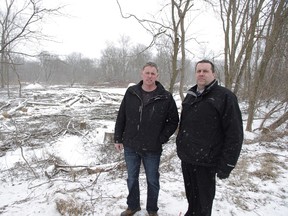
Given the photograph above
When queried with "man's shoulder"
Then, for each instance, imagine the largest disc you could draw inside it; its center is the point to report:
(161, 89)
(133, 88)
(225, 91)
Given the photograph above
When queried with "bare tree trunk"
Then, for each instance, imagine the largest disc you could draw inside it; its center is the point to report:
(175, 40)
(276, 108)
(2, 70)
(183, 49)
(182, 9)
(281, 120)
(239, 25)
(174, 65)
(277, 22)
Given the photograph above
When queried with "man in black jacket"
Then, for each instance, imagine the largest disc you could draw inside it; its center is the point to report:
(147, 117)
(209, 140)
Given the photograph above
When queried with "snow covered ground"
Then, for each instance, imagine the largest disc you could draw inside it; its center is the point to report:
(51, 164)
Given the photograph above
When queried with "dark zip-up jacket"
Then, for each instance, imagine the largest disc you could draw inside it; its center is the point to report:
(146, 127)
(211, 128)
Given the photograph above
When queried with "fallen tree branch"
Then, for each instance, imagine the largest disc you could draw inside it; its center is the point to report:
(281, 120)
(42, 103)
(66, 100)
(73, 102)
(88, 98)
(12, 111)
(81, 96)
(5, 105)
(19, 142)
(80, 168)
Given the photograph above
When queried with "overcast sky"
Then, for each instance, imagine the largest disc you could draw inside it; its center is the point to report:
(90, 25)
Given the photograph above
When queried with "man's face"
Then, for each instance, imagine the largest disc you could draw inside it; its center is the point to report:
(204, 75)
(149, 75)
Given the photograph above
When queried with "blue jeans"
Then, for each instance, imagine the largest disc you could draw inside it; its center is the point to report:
(151, 163)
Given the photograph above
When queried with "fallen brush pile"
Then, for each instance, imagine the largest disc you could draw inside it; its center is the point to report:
(57, 156)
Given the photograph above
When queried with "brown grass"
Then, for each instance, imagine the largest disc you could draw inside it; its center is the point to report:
(71, 207)
(268, 169)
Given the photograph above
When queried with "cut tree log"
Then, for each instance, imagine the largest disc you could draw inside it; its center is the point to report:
(42, 103)
(12, 111)
(73, 101)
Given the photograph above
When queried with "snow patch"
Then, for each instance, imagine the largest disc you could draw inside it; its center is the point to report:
(34, 86)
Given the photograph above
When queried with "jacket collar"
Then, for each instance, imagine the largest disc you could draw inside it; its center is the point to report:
(210, 86)
(137, 88)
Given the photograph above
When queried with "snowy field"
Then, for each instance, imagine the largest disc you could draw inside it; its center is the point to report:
(57, 158)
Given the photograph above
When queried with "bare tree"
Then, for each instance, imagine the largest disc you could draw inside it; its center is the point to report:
(124, 56)
(163, 59)
(179, 11)
(109, 63)
(73, 60)
(174, 30)
(119, 63)
(50, 65)
(137, 59)
(239, 19)
(276, 21)
(276, 95)
(251, 28)
(18, 25)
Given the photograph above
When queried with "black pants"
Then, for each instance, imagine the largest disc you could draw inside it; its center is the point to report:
(200, 187)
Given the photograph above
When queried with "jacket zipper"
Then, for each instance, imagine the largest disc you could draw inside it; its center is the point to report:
(140, 110)
(141, 107)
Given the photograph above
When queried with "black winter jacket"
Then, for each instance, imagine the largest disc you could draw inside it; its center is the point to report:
(211, 128)
(146, 127)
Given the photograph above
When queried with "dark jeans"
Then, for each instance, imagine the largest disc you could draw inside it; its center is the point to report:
(200, 185)
(151, 163)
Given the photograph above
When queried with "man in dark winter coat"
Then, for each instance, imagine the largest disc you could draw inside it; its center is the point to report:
(147, 117)
(209, 140)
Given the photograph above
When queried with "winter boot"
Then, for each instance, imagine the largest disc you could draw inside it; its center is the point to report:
(130, 212)
(152, 214)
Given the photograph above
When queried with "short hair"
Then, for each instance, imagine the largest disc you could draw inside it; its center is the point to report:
(206, 61)
(151, 64)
